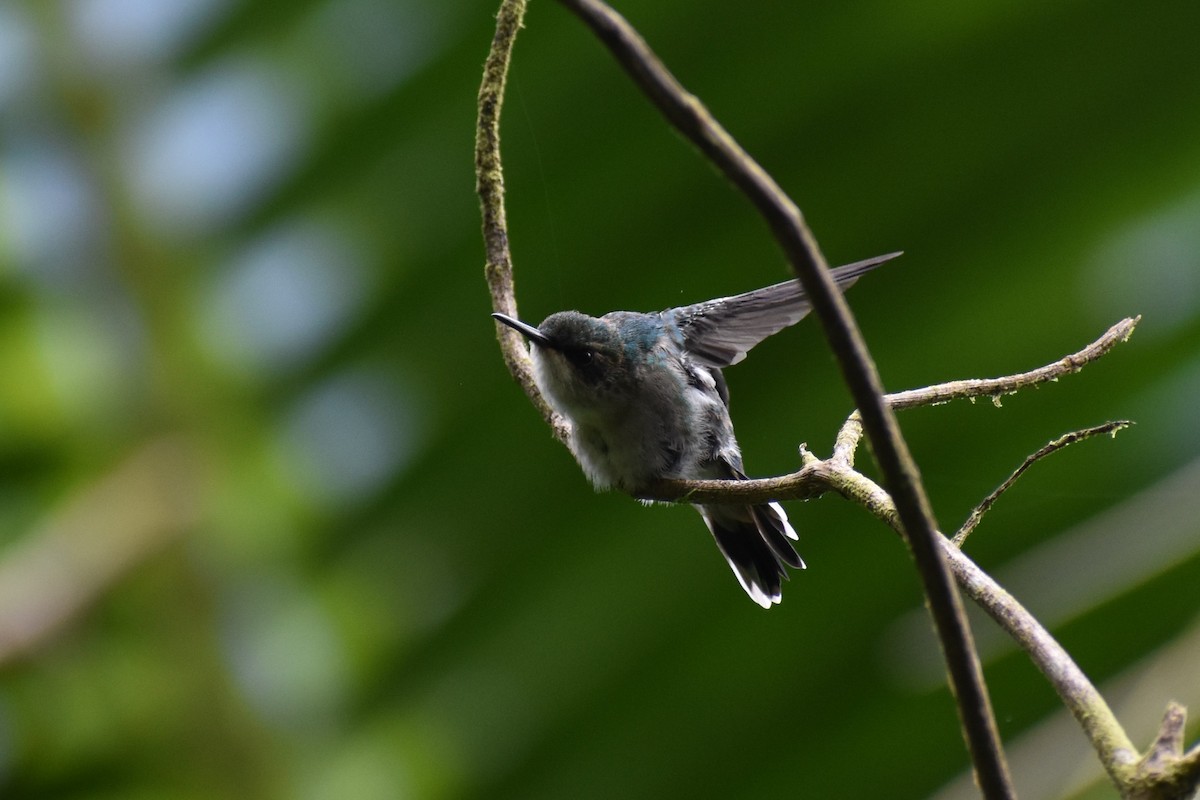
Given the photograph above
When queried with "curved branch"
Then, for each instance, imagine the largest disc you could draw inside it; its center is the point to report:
(1066, 440)
(489, 184)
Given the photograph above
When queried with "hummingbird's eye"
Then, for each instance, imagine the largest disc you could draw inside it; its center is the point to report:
(579, 356)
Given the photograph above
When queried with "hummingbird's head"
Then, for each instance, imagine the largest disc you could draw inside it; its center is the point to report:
(580, 362)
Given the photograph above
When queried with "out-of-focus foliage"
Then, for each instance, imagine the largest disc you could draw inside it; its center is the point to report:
(274, 522)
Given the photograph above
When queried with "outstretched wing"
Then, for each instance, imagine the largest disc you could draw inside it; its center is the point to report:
(720, 332)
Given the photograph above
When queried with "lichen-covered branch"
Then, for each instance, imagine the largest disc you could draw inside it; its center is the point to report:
(1010, 384)
(489, 184)
(851, 432)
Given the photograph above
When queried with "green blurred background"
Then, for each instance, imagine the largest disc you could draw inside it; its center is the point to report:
(275, 522)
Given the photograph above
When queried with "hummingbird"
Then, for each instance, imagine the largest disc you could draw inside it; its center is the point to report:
(646, 400)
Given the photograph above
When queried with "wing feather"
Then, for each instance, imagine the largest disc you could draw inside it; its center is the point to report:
(720, 332)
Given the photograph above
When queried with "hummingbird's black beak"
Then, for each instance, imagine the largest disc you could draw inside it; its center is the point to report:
(528, 331)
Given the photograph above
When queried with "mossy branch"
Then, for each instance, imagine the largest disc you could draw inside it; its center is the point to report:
(489, 184)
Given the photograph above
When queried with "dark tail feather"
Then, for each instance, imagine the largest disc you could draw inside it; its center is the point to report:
(754, 540)
(773, 523)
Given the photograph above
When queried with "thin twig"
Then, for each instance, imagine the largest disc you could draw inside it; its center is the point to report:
(787, 224)
(997, 387)
(851, 431)
(1067, 439)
